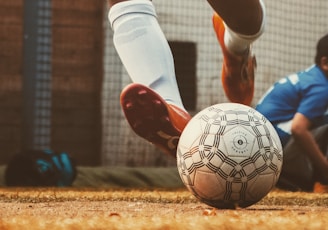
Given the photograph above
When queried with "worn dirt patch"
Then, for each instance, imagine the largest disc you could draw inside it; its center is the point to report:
(89, 208)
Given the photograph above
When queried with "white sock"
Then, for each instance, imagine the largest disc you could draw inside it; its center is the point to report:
(143, 48)
(238, 43)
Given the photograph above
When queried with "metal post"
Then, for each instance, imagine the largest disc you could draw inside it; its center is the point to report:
(37, 74)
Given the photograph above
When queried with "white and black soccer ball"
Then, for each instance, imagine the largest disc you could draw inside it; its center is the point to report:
(229, 155)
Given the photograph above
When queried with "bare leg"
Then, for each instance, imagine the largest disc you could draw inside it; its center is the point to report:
(241, 16)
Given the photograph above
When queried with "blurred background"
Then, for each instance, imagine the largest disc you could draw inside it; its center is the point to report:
(61, 78)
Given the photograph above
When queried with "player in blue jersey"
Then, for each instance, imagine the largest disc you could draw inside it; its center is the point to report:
(297, 106)
(152, 104)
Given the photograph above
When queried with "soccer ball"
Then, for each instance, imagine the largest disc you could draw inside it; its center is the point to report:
(229, 156)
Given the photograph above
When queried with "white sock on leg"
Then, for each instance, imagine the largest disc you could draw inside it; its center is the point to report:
(143, 48)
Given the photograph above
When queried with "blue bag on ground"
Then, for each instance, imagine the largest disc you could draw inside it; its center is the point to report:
(40, 168)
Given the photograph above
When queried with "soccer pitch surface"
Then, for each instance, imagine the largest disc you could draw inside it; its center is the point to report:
(96, 208)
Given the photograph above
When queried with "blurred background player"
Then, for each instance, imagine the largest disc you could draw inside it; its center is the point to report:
(152, 103)
(297, 106)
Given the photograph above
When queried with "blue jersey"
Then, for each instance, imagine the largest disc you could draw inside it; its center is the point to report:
(305, 92)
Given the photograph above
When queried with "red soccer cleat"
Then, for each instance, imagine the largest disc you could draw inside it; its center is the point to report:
(237, 71)
(152, 118)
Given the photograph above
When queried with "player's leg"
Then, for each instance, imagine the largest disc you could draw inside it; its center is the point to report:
(321, 137)
(298, 172)
(153, 107)
(242, 16)
(238, 23)
(143, 47)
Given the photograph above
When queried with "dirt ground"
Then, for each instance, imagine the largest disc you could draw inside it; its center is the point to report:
(89, 208)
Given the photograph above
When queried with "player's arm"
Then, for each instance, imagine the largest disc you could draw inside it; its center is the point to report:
(301, 126)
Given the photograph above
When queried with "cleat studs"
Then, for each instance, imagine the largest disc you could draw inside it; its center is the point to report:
(157, 102)
(142, 92)
(128, 105)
